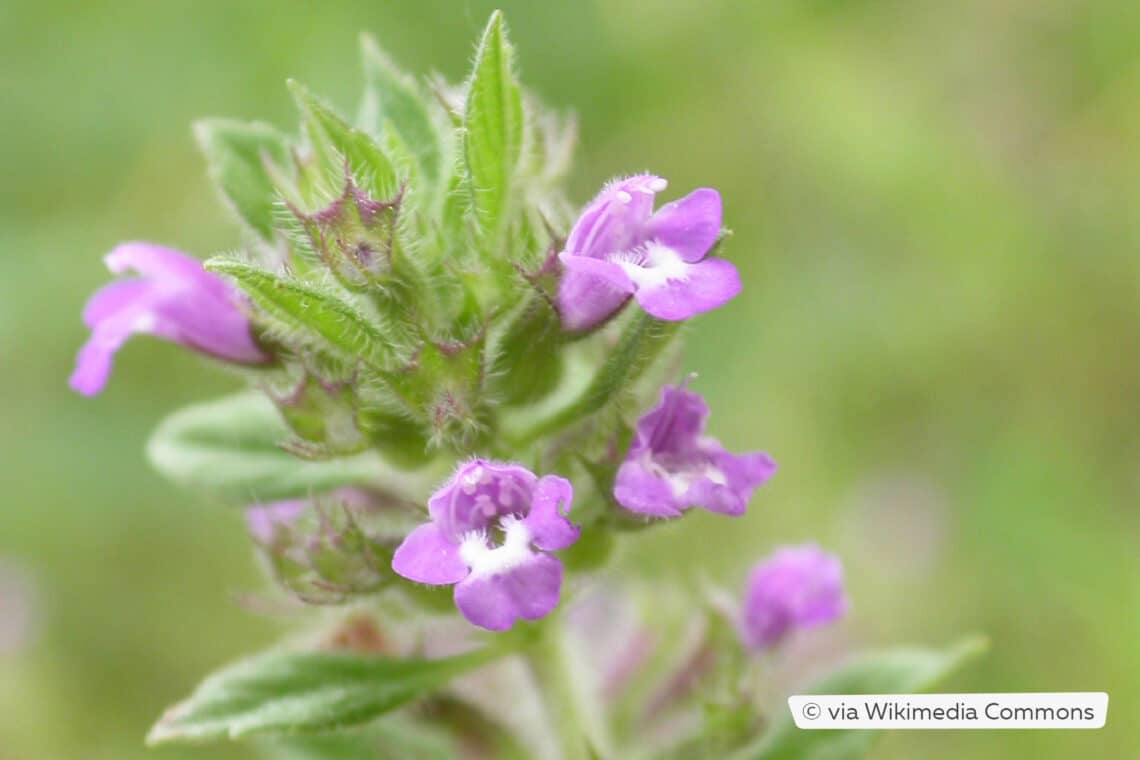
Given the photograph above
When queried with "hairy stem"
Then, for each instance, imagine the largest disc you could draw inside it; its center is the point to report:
(572, 712)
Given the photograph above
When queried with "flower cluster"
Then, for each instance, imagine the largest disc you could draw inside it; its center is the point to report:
(490, 517)
(416, 303)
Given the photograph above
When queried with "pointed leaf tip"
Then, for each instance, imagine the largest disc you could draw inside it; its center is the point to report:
(493, 127)
(292, 692)
(235, 152)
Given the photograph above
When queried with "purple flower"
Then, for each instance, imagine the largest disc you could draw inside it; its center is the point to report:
(620, 247)
(672, 465)
(175, 298)
(486, 522)
(796, 587)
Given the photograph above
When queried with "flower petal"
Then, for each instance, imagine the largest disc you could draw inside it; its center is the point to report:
(199, 309)
(639, 489)
(527, 591)
(549, 529)
(615, 220)
(478, 494)
(745, 471)
(796, 587)
(672, 289)
(113, 298)
(675, 424)
(590, 291)
(95, 358)
(429, 556)
(160, 263)
(689, 225)
(728, 480)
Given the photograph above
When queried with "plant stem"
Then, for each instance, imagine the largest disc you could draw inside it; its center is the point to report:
(571, 713)
(642, 340)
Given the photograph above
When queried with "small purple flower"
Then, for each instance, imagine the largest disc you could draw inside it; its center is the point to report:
(175, 298)
(672, 465)
(796, 587)
(619, 247)
(485, 522)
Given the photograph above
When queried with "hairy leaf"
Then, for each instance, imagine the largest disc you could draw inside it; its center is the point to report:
(391, 99)
(894, 671)
(305, 691)
(335, 142)
(236, 153)
(392, 738)
(493, 127)
(320, 320)
(231, 446)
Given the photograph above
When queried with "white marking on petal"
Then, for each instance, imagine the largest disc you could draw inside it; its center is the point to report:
(471, 480)
(679, 481)
(145, 322)
(485, 560)
(659, 264)
(623, 196)
(715, 475)
(657, 184)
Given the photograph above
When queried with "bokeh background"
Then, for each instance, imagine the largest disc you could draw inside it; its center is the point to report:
(936, 215)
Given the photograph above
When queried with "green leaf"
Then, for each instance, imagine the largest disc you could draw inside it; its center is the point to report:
(231, 446)
(335, 142)
(392, 99)
(492, 127)
(319, 320)
(392, 738)
(236, 153)
(895, 671)
(305, 692)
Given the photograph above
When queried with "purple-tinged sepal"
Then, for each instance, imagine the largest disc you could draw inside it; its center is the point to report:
(796, 587)
(492, 526)
(673, 465)
(620, 248)
(355, 235)
(328, 549)
(174, 298)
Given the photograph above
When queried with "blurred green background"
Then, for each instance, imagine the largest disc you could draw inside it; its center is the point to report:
(936, 215)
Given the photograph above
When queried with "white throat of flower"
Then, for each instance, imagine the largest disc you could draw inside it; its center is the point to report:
(485, 560)
(679, 481)
(655, 265)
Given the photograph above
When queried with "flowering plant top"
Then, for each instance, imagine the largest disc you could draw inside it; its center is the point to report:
(464, 393)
